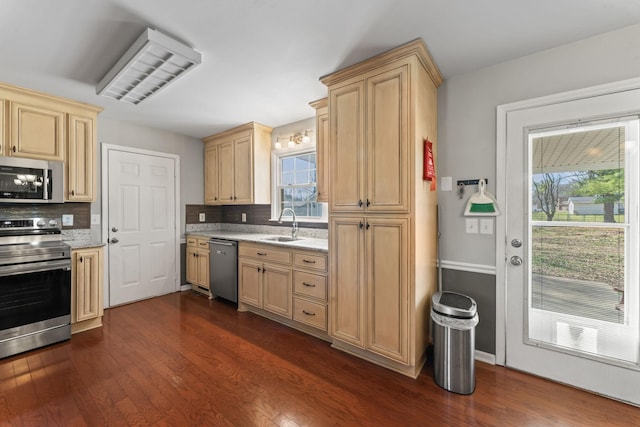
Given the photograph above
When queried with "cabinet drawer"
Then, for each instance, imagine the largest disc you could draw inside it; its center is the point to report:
(311, 261)
(192, 241)
(203, 243)
(309, 284)
(310, 313)
(265, 253)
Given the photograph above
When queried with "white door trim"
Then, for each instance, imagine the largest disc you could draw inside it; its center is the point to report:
(501, 187)
(105, 206)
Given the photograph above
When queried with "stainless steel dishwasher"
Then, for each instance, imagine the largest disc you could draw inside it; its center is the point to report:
(223, 271)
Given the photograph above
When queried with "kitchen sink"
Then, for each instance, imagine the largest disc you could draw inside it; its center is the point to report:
(282, 239)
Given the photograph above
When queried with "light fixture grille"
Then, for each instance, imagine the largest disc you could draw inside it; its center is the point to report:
(150, 64)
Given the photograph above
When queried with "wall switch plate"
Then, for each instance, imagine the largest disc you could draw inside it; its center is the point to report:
(244, 217)
(201, 217)
(486, 226)
(446, 183)
(471, 225)
(67, 220)
(95, 219)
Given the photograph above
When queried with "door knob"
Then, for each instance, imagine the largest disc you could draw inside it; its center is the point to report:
(114, 240)
(515, 260)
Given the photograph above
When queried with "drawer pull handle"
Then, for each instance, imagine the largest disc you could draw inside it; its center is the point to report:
(262, 254)
(309, 261)
(310, 285)
(308, 313)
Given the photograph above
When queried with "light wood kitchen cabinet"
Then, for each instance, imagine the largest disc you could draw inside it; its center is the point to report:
(197, 260)
(44, 127)
(37, 129)
(240, 171)
(373, 171)
(264, 278)
(382, 214)
(86, 288)
(211, 186)
(310, 289)
(80, 182)
(322, 148)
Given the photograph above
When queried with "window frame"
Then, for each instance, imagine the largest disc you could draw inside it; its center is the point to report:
(276, 174)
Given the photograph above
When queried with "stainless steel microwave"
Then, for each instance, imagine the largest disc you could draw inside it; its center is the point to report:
(31, 181)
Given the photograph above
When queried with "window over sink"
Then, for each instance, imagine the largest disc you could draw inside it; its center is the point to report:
(294, 185)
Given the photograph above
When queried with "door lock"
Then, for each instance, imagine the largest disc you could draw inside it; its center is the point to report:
(515, 260)
(516, 243)
(114, 229)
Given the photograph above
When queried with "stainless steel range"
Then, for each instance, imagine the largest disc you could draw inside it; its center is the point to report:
(35, 285)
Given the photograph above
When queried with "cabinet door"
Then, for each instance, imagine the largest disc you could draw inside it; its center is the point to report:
(250, 282)
(243, 171)
(87, 279)
(322, 153)
(277, 290)
(3, 129)
(346, 106)
(387, 145)
(347, 280)
(211, 169)
(36, 132)
(387, 247)
(80, 159)
(192, 265)
(203, 269)
(225, 166)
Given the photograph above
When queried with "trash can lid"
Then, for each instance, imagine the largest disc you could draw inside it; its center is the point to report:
(453, 304)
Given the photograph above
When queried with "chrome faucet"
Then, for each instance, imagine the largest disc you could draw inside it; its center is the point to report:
(294, 228)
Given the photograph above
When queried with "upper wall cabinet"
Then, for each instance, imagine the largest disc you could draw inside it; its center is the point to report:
(237, 166)
(40, 126)
(322, 147)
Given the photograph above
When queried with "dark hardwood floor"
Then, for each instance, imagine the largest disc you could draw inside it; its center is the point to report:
(183, 360)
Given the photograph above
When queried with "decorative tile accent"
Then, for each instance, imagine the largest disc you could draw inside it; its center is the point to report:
(81, 212)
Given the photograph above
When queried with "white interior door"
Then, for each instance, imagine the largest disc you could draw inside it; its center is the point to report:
(141, 226)
(572, 292)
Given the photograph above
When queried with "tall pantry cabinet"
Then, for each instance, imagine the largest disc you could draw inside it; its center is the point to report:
(382, 214)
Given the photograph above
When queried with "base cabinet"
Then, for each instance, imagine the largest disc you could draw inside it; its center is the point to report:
(264, 278)
(198, 263)
(87, 292)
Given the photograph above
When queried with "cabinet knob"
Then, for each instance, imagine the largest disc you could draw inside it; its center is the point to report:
(259, 269)
(81, 259)
(215, 198)
(361, 225)
(73, 193)
(368, 225)
(14, 149)
(368, 203)
(360, 203)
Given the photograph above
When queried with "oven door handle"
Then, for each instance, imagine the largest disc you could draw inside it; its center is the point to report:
(35, 267)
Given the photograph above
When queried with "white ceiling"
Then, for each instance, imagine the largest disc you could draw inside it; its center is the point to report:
(261, 59)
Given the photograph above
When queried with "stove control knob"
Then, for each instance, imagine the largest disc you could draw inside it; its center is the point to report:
(53, 223)
(40, 223)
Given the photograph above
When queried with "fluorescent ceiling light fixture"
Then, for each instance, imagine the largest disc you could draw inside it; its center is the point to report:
(150, 64)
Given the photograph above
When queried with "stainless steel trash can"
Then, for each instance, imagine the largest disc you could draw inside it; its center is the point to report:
(454, 318)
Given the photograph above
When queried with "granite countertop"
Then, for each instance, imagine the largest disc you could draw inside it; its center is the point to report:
(84, 243)
(307, 243)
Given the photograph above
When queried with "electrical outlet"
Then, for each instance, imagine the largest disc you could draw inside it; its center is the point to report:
(201, 217)
(471, 225)
(446, 183)
(244, 217)
(67, 220)
(486, 226)
(95, 219)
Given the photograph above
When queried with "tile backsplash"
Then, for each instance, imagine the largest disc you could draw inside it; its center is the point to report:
(81, 212)
(232, 214)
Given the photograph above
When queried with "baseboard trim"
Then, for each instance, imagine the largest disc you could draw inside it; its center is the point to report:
(465, 266)
(485, 357)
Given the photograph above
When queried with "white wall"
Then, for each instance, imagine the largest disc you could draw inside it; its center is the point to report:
(467, 119)
(190, 150)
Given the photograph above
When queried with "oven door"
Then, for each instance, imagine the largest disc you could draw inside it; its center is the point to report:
(35, 294)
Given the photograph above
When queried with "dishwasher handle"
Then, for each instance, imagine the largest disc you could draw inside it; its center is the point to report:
(222, 242)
